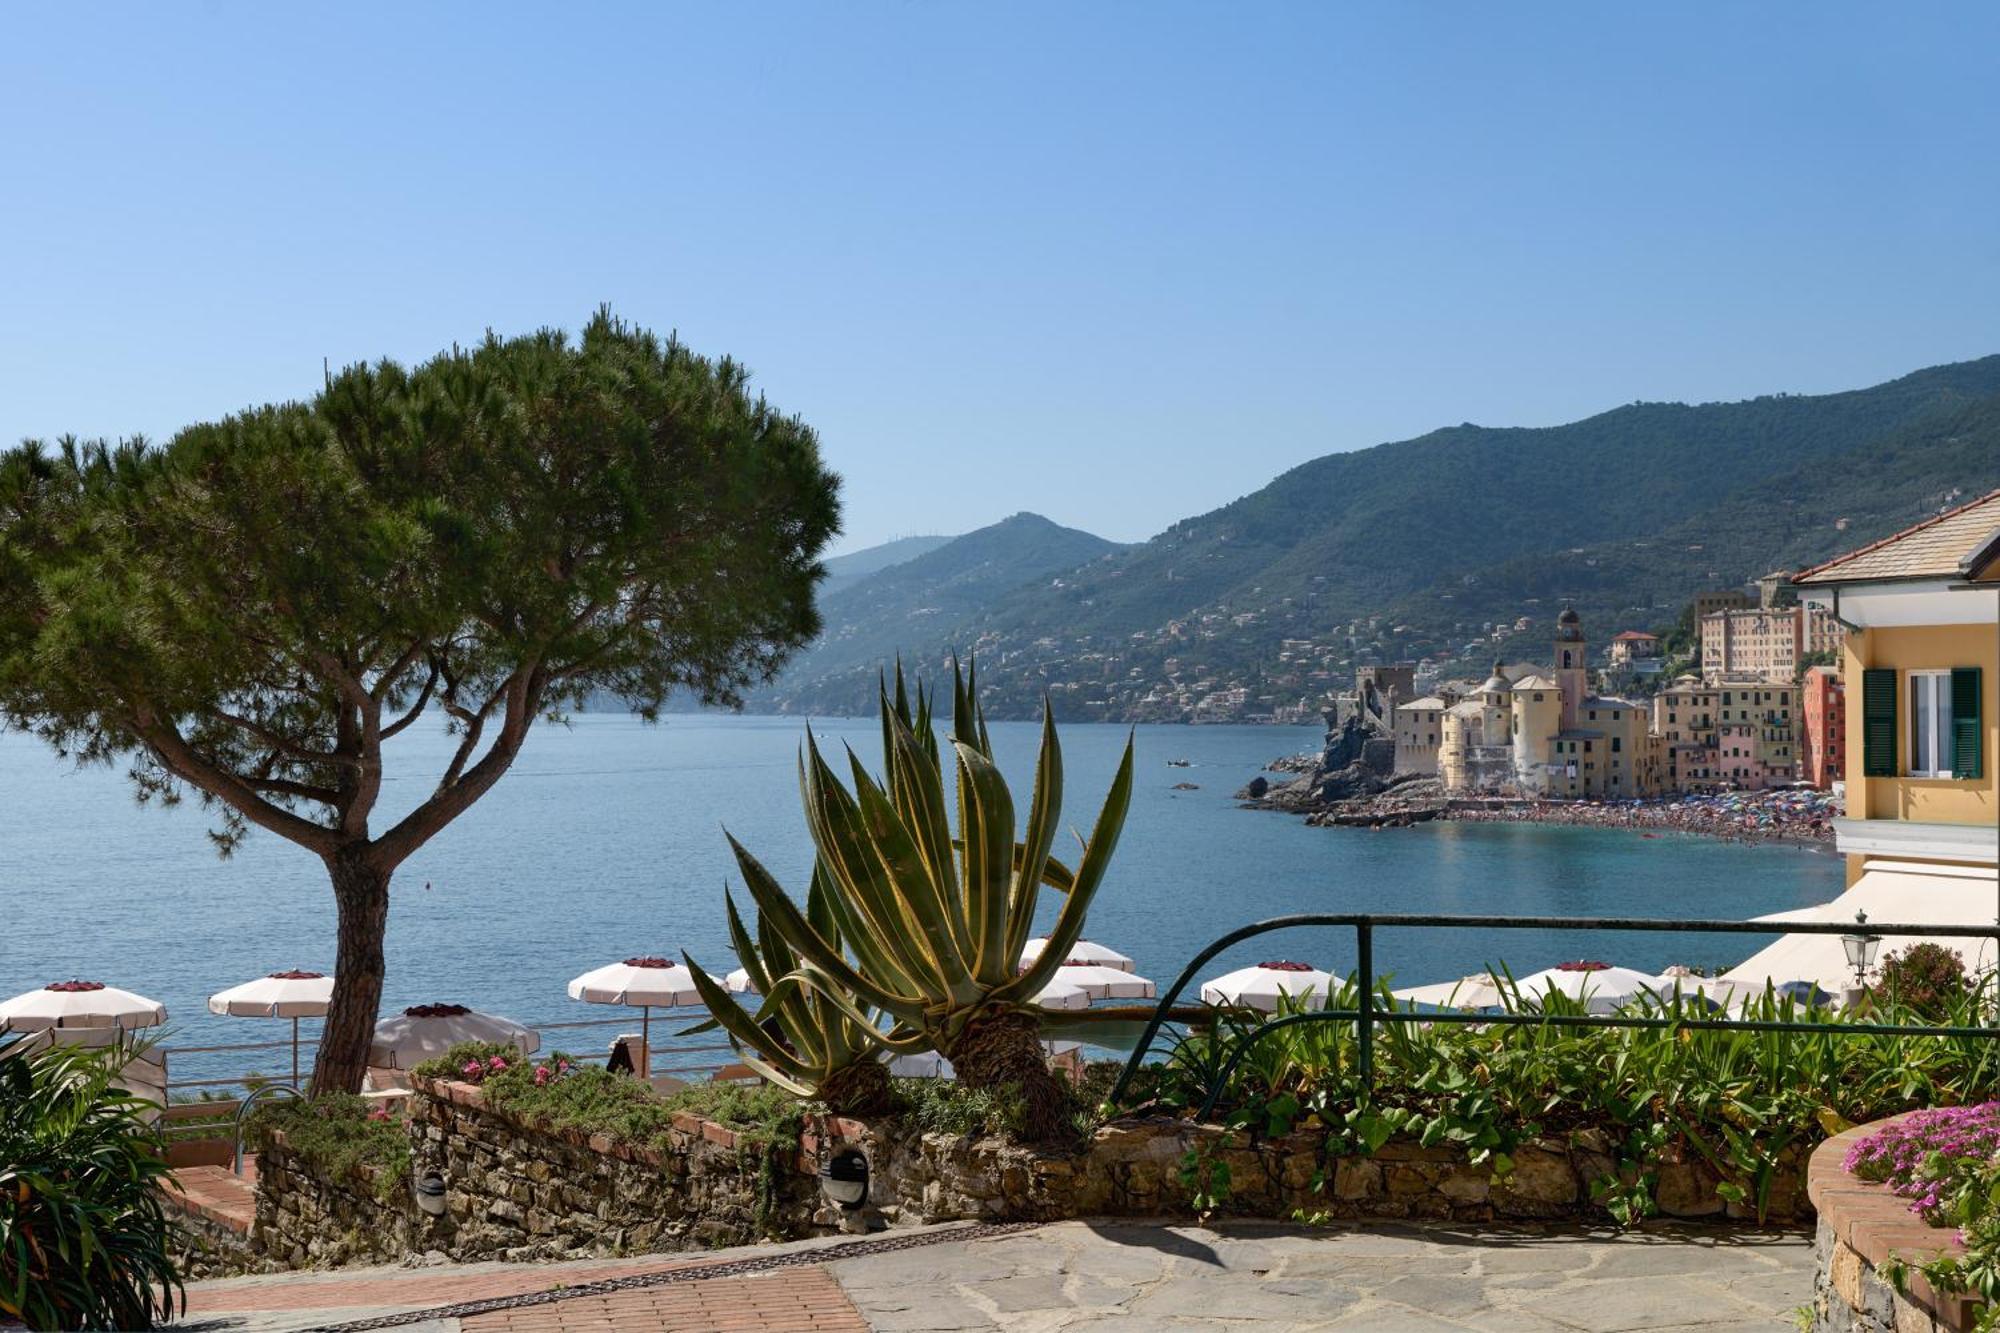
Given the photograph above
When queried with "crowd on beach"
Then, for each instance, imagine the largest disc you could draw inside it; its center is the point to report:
(1789, 815)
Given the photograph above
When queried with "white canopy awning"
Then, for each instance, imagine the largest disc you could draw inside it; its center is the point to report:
(406, 1040)
(1892, 893)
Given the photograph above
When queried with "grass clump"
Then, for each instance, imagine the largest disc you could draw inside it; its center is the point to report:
(336, 1136)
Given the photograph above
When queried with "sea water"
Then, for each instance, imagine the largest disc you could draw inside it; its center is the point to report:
(606, 841)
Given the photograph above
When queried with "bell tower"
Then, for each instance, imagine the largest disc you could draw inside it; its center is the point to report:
(1571, 659)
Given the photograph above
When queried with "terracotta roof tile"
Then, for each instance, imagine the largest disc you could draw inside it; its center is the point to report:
(1934, 548)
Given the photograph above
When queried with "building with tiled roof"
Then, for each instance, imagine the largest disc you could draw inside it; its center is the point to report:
(1961, 543)
(1922, 611)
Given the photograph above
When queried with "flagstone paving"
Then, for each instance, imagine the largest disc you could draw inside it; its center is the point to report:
(1080, 1277)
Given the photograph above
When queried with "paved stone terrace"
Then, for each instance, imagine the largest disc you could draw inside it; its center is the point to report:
(1087, 1276)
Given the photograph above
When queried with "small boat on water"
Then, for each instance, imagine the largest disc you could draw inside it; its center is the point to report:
(1179, 763)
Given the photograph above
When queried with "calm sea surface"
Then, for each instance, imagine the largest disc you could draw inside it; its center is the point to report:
(605, 841)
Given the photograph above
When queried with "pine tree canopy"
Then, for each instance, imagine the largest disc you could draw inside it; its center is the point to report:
(253, 609)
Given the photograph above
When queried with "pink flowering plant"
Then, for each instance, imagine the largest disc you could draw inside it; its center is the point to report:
(1946, 1161)
(1927, 1154)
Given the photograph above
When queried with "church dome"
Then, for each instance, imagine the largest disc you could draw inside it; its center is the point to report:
(1497, 683)
(1569, 625)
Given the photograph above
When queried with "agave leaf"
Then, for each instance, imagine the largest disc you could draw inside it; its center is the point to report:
(772, 1074)
(828, 992)
(836, 826)
(986, 820)
(777, 904)
(925, 899)
(1090, 870)
(741, 1026)
(1031, 855)
(917, 789)
(746, 952)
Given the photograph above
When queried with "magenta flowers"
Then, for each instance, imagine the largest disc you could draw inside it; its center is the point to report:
(1926, 1154)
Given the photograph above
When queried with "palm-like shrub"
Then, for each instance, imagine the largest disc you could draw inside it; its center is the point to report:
(85, 1241)
(913, 939)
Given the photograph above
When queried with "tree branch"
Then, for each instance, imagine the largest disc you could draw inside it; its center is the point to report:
(416, 709)
(289, 749)
(522, 693)
(178, 758)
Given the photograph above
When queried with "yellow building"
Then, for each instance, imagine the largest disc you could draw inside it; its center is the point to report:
(1548, 735)
(1922, 612)
(1740, 731)
(1418, 727)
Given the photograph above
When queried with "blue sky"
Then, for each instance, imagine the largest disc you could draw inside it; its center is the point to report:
(1115, 263)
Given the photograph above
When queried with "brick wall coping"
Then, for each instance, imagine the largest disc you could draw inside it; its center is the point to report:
(820, 1129)
(1877, 1224)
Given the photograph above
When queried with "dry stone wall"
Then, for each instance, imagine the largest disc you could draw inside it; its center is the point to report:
(518, 1191)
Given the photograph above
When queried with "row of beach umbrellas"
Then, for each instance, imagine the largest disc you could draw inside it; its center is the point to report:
(1093, 972)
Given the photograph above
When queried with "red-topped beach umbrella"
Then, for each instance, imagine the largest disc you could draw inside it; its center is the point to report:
(292, 995)
(1260, 987)
(79, 1004)
(643, 983)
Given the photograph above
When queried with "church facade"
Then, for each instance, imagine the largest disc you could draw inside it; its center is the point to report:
(1536, 733)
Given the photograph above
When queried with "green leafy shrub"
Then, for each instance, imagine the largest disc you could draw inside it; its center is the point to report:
(336, 1135)
(85, 1240)
(1734, 1099)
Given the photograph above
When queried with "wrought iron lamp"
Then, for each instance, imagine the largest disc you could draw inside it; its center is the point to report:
(1861, 947)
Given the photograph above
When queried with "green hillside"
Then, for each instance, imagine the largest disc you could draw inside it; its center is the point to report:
(1417, 547)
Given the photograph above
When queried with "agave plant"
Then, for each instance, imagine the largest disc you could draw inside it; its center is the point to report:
(85, 1241)
(921, 927)
(799, 1038)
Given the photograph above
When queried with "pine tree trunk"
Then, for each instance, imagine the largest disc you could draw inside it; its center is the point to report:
(1005, 1050)
(361, 894)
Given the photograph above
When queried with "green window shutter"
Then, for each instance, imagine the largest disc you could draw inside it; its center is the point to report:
(1966, 731)
(1878, 722)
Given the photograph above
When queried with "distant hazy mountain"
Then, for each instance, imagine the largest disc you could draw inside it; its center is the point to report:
(913, 605)
(844, 571)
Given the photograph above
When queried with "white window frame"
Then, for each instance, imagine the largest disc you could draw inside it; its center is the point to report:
(1940, 723)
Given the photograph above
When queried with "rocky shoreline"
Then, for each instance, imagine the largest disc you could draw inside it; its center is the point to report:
(1799, 818)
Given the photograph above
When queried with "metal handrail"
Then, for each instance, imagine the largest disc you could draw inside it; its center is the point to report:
(236, 1124)
(1367, 1014)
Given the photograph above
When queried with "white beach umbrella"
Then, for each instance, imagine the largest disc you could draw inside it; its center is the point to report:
(1060, 994)
(292, 995)
(1602, 989)
(1724, 994)
(642, 983)
(739, 982)
(79, 1004)
(1259, 987)
(1478, 991)
(425, 1031)
(1083, 951)
(1104, 983)
(926, 1064)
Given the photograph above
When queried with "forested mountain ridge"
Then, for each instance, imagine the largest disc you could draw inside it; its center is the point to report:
(1436, 538)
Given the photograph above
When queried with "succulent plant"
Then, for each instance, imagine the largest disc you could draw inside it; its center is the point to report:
(913, 925)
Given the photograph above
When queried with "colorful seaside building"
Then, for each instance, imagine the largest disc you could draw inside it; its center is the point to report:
(1545, 734)
(1922, 664)
(1823, 727)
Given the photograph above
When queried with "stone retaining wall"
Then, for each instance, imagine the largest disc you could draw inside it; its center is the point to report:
(519, 1191)
(306, 1220)
(1862, 1224)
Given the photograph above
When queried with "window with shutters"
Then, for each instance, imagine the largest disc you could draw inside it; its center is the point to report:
(1930, 724)
(1967, 729)
(1878, 722)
